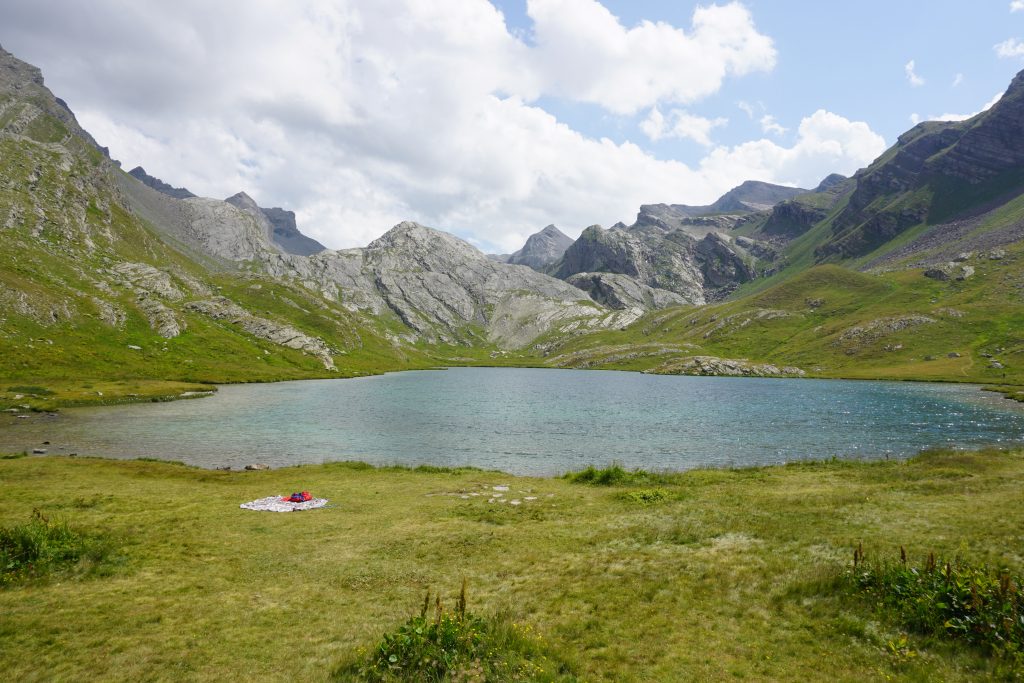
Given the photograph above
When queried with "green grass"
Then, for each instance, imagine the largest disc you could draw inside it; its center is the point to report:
(832, 322)
(41, 547)
(721, 579)
(442, 644)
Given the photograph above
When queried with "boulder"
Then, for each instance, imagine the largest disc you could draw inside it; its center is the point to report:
(941, 273)
(965, 272)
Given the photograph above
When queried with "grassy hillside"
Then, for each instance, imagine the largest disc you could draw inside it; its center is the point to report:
(708, 575)
(834, 322)
(69, 319)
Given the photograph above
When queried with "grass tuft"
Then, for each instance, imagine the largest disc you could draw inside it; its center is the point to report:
(440, 645)
(615, 475)
(41, 546)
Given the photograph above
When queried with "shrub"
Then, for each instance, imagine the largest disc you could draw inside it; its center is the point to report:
(457, 647)
(42, 546)
(614, 475)
(949, 599)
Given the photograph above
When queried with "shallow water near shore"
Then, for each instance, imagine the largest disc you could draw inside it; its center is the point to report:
(534, 421)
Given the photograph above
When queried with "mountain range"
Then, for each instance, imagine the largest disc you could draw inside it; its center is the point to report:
(108, 273)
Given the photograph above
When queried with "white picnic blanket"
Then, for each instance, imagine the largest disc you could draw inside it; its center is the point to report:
(275, 504)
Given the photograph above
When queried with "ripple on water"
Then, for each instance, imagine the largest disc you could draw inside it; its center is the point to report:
(535, 421)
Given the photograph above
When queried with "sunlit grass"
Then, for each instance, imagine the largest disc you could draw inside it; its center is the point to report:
(705, 575)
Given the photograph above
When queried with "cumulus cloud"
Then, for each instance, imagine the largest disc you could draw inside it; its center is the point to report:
(360, 114)
(912, 77)
(588, 55)
(1008, 49)
(680, 124)
(826, 143)
(1016, 5)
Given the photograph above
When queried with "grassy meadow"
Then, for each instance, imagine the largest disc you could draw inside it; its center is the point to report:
(704, 575)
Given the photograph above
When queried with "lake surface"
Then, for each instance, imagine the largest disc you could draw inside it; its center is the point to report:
(535, 421)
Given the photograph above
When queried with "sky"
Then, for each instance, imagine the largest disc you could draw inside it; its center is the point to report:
(493, 119)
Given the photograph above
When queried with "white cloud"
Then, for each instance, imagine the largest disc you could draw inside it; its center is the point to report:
(959, 78)
(1016, 5)
(360, 114)
(585, 53)
(915, 119)
(680, 124)
(826, 143)
(963, 117)
(912, 77)
(746, 108)
(1010, 48)
(770, 125)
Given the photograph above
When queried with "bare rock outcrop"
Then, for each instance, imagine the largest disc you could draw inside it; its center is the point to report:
(161, 318)
(221, 308)
(712, 365)
(621, 292)
(442, 288)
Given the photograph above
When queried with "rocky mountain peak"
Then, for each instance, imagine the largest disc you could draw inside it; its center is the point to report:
(416, 239)
(753, 195)
(244, 202)
(542, 248)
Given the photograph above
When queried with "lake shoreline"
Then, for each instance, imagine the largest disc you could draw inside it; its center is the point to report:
(1011, 391)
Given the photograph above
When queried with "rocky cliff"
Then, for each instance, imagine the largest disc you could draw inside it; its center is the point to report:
(623, 292)
(287, 235)
(677, 249)
(937, 171)
(697, 270)
(793, 217)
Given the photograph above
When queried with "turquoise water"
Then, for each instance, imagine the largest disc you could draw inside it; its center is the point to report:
(532, 421)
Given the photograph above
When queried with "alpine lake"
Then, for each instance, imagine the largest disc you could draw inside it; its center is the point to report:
(533, 422)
